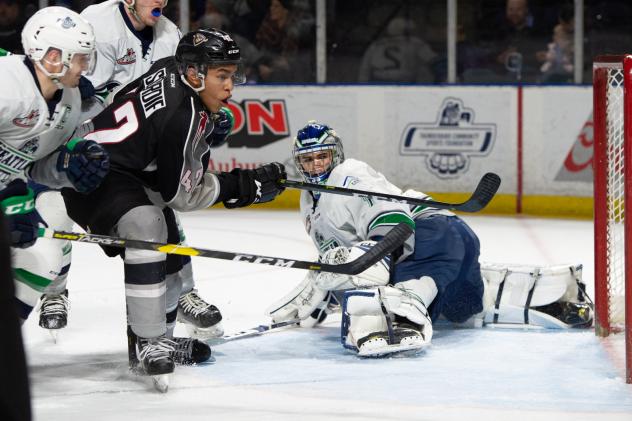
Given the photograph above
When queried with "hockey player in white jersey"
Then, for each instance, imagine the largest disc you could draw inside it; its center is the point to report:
(40, 105)
(391, 307)
(130, 36)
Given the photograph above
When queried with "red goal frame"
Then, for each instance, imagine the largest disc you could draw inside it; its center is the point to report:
(603, 325)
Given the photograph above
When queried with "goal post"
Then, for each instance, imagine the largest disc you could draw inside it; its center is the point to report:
(612, 169)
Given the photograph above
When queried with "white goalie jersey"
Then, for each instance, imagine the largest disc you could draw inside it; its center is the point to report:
(120, 57)
(336, 220)
(28, 131)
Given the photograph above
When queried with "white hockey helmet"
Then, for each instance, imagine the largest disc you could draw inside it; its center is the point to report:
(62, 29)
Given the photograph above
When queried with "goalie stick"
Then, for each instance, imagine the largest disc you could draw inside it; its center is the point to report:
(389, 243)
(484, 192)
(254, 331)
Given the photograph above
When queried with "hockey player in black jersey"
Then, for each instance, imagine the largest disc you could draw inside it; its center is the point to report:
(158, 133)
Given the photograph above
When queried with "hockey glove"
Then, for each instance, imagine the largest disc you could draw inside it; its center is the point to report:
(306, 303)
(254, 186)
(224, 122)
(85, 163)
(18, 204)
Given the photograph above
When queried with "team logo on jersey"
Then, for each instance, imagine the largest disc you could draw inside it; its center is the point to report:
(30, 146)
(451, 141)
(199, 39)
(128, 58)
(27, 121)
(67, 22)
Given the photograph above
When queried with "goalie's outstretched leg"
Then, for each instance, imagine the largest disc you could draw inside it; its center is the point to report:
(551, 297)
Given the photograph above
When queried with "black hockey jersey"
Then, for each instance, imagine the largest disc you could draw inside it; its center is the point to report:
(155, 130)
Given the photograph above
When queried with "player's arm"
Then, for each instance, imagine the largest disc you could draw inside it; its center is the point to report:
(184, 181)
(374, 218)
(79, 164)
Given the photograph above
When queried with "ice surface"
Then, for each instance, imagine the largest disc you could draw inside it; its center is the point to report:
(306, 374)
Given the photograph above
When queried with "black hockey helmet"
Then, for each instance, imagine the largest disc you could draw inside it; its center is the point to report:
(209, 47)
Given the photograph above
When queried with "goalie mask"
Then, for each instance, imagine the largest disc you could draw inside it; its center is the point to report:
(61, 29)
(317, 150)
(206, 48)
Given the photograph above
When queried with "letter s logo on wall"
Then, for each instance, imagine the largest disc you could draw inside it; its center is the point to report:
(258, 123)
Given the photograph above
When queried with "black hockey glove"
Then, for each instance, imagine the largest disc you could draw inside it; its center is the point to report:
(18, 204)
(85, 162)
(224, 121)
(241, 188)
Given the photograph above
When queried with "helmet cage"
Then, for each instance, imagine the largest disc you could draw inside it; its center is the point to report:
(327, 140)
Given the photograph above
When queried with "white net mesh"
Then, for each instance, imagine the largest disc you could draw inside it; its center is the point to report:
(615, 195)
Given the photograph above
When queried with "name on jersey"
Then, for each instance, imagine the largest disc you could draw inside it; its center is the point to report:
(12, 162)
(152, 97)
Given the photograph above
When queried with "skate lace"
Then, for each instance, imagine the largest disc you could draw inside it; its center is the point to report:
(193, 304)
(183, 346)
(54, 304)
(157, 349)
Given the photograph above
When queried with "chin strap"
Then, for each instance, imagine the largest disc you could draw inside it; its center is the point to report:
(54, 77)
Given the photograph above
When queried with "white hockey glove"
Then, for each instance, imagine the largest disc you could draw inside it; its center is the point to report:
(306, 303)
(376, 275)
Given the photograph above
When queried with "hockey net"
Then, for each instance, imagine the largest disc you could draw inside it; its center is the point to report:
(612, 165)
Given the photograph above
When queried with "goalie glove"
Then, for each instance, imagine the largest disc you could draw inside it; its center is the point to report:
(376, 275)
(306, 303)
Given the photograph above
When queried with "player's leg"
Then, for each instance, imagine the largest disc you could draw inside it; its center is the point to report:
(542, 296)
(120, 206)
(55, 305)
(43, 268)
(388, 319)
(446, 251)
(202, 319)
(187, 350)
(145, 289)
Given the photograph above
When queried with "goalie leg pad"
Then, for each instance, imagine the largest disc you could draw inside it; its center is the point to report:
(525, 295)
(371, 325)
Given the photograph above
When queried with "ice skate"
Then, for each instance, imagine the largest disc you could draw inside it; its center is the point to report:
(404, 337)
(575, 315)
(202, 320)
(54, 312)
(151, 357)
(190, 351)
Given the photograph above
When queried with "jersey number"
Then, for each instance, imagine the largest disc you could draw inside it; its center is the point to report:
(188, 183)
(127, 120)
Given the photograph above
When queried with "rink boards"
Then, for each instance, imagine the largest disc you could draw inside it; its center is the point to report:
(438, 139)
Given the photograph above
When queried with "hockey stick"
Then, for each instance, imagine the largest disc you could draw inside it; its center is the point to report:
(389, 243)
(253, 331)
(484, 192)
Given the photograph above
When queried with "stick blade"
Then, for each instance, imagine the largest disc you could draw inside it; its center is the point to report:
(485, 191)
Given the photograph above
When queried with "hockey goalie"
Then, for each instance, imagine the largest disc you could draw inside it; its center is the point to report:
(435, 275)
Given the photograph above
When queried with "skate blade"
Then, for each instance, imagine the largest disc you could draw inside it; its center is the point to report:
(204, 334)
(161, 382)
(387, 350)
(53, 334)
